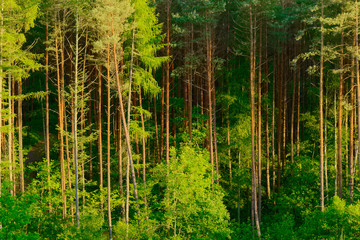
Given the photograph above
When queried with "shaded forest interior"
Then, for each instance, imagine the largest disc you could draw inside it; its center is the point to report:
(179, 119)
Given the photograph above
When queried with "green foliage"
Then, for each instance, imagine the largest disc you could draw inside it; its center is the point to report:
(16, 213)
(339, 221)
(193, 205)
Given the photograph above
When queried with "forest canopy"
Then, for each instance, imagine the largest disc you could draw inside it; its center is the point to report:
(179, 119)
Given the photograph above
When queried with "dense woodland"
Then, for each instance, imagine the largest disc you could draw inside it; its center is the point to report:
(179, 119)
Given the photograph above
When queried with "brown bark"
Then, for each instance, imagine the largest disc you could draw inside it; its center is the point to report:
(259, 123)
(209, 91)
(357, 76)
(126, 130)
(252, 93)
(21, 161)
(143, 148)
(108, 143)
(267, 143)
(100, 136)
(351, 140)
(61, 121)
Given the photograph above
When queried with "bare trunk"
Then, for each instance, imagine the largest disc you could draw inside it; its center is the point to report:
(100, 147)
(341, 86)
(321, 113)
(61, 121)
(108, 144)
(252, 91)
(209, 89)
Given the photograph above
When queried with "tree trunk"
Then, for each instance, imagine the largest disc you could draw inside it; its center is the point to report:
(259, 123)
(341, 86)
(21, 161)
(108, 143)
(273, 126)
(61, 121)
(126, 129)
(143, 148)
(351, 140)
(357, 75)
(321, 113)
(100, 147)
(209, 91)
(76, 120)
(167, 80)
(47, 137)
(252, 91)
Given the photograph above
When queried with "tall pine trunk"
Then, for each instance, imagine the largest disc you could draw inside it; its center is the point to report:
(252, 93)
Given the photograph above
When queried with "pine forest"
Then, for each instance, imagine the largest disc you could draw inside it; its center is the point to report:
(179, 119)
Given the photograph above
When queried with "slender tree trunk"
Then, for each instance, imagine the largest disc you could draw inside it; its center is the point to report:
(108, 143)
(126, 129)
(167, 79)
(21, 161)
(47, 137)
(162, 113)
(351, 140)
(61, 128)
(12, 111)
(214, 122)
(157, 150)
(209, 89)
(267, 143)
(90, 131)
(336, 144)
(10, 135)
(325, 145)
(64, 119)
(1, 89)
(293, 115)
(279, 123)
(259, 123)
(341, 86)
(273, 127)
(191, 82)
(100, 147)
(298, 109)
(82, 119)
(76, 120)
(357, 75)
(143, 149)
(321, 113)
(252, 91)
(284, 78)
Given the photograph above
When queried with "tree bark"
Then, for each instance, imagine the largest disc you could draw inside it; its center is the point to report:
(108, 143)
(252, 93)
(61, 121)
(321, 113)
(341, 86)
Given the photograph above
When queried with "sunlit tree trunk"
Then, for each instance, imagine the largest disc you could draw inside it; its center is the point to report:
(61, 121)
(108, 143)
